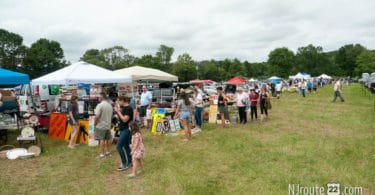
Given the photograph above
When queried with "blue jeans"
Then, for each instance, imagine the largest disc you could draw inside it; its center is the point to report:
(198, 116)
(124, 143)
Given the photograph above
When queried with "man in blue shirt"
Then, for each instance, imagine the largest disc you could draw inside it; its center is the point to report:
(146, 101)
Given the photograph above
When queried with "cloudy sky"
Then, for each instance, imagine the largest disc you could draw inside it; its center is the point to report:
(206, 29)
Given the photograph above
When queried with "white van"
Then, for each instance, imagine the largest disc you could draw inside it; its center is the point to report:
(38, 98)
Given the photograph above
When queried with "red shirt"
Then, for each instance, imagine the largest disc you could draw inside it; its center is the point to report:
(254, 99)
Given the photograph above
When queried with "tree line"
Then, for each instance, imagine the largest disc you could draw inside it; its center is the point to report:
(45, 56)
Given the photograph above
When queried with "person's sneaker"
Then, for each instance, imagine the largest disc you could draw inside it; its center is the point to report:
(199, 129)
(108, 154)
(101, 156)
(71, 147)
(122, 168)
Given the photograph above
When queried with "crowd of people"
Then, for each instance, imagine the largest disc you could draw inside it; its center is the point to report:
(189, 106)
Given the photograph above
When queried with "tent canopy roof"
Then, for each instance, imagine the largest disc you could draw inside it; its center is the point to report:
(300, 76)
(324, 76)
(274, 78)
(81, 72)
(137, 73)
(8, 77)
(236, 81)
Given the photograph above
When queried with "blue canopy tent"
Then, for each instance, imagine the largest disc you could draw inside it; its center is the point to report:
(8, 77)
(275, 79)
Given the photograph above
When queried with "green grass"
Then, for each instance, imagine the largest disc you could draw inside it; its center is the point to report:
(308, 141)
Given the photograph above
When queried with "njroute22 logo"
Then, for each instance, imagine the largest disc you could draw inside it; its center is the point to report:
(330, 189)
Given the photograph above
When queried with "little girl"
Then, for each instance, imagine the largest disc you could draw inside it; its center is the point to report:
(138, 149)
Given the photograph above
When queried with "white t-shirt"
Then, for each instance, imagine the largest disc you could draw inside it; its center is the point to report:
(241, 99)
(146, 98)
(278, 87)
(198, 101)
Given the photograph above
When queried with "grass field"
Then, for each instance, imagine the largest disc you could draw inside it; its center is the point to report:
(308, 141)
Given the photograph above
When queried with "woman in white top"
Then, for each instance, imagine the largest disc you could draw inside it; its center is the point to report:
(242, 100)
(198, 103)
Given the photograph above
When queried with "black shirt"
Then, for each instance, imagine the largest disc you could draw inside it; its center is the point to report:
(220, 99)
(127, 110)
(263, 97)
(74, 109)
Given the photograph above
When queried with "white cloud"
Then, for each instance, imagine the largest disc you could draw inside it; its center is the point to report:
(245, 29)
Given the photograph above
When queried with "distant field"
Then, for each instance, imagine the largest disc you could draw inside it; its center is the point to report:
(308, 141)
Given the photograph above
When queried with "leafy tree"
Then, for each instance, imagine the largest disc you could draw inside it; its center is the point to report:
(184, 68)
(12, 51)
(236, 68)
(312, 60)
(43, 57)
(366, 62)
(93, 56)
(164, 54)
(281, 61)
(111, 58)
(209, 70)
(117, 57)
(148, 61)
(346, 58)
(256, 70)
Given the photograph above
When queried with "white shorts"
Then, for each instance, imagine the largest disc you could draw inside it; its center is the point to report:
(148, 114)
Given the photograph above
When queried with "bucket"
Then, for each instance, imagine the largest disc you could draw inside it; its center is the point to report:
(234, 119)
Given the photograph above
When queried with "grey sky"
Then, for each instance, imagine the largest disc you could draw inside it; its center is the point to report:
(206, 29)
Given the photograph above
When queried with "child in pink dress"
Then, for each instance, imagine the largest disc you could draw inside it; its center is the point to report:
(138, 149)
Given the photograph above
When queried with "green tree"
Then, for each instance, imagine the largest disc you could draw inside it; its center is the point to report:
(164, 54)
(256, 70)
(148, 61)
(184, 68)
(111, 58)
(281, 61)
(43, 57)
(312, 60)
(117, 57)
(366, 62)
(209, 70)
(236, 68)
(93, 56)
(346, 58)
(12, 51)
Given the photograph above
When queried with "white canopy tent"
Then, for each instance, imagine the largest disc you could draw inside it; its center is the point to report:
(324, 76)
(139, 73)
(81, 72)
(300, 76)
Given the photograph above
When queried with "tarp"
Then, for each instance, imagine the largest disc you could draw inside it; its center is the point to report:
(236, 81)
(81, 72)
(139, 73)
(8, 77)
(324, 76)
(300, 76)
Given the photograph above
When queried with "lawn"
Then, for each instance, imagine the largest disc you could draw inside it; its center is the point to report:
(308, 141)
